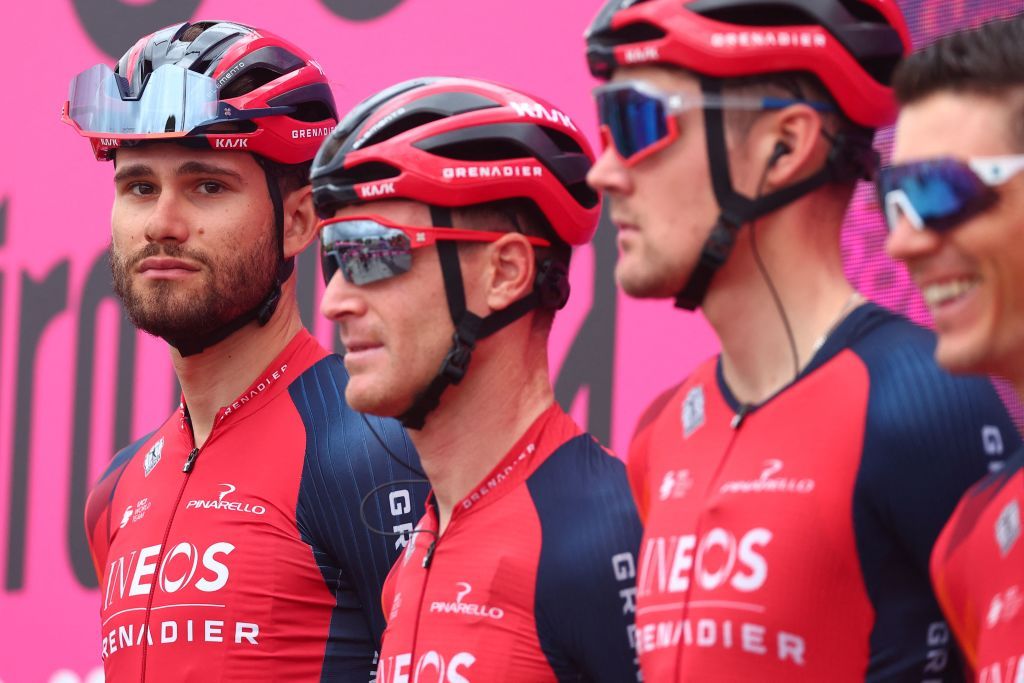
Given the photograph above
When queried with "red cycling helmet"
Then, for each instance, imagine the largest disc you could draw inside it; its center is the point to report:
(456, 142)
(232, 86)
(852, 46)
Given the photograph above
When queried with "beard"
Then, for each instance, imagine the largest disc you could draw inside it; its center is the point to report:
(227, 288)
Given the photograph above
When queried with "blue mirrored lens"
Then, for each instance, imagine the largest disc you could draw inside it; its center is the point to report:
(364, 251)
(635, 120)
(943, 192)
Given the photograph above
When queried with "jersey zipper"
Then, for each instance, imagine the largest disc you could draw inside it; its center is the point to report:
(736, 424)
(190, 463)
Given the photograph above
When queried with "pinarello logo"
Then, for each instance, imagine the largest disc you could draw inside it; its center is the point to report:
(221, 503)
(470, 609)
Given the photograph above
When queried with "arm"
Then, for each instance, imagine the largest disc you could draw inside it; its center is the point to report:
(586, 582)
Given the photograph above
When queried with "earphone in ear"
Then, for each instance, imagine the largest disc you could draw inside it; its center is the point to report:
(781, 150)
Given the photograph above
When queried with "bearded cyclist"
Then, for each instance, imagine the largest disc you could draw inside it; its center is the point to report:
(229, 543)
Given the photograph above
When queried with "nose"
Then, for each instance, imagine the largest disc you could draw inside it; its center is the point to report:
(609, 174)
(906, 243)
(341, 299)
(167, 222)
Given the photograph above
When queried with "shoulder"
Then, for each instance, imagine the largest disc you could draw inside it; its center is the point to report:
(103, 492)
(585, 505)
(912, 400)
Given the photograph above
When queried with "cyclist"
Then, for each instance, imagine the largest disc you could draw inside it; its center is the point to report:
(451, 206)
(228, 542)
(792, 487)
(953, 200)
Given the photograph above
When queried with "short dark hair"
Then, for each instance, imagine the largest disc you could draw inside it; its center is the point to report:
(985, 60)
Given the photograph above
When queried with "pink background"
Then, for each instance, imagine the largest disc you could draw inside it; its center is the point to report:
(58, 202)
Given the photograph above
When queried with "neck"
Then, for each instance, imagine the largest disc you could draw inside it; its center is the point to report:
(216, 376)
(478, 421)
(799, 247)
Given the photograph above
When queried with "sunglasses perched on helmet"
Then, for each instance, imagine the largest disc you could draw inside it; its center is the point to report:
(370, 249)
(638, 119)
(940, 194)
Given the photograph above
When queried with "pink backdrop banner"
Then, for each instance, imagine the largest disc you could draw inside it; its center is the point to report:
(76, 382)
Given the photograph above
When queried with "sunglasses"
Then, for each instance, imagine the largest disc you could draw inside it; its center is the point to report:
(942, 193)
(638, 119)
(370, 249)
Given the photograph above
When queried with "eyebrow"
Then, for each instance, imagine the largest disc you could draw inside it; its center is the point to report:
(133, 171)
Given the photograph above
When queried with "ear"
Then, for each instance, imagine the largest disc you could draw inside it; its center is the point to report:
(791, 146)
(509, 271)
(299, 220)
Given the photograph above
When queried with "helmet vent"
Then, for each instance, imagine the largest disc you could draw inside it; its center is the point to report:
(364, 173)
(638, 32)
(248, 81)
(404, 123)
(760, 14)
(583, 194)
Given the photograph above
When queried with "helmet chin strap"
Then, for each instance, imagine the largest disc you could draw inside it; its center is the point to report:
(550, 290)
(264, 311)
(849, 158)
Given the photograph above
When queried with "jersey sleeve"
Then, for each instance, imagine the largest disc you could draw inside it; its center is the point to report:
(586, 580)
(357, 505)
(929, 436)
(97, 507)
(640, 449)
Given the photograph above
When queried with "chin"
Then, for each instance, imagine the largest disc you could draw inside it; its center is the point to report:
(962, 357)
(364, 397)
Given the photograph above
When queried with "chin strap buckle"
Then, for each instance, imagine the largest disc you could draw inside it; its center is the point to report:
(457, 361)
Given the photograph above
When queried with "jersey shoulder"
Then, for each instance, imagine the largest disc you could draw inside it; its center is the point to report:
(585, 595)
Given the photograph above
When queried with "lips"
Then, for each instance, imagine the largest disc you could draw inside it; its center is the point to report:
(159, 266)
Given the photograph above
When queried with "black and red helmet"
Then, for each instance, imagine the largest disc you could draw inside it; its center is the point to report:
(235, 87)
(456, 142)
(852, 46)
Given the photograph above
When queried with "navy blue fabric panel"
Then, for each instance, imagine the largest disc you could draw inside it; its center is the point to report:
(344, 463)
(928, 437)
(586, 581)
(103, 492)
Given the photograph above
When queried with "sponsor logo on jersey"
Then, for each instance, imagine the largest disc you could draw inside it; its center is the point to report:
(469, 609)
(675, 484)
(134, 513)
(153, 456)
(500, 171)
(429, 667)
(1004, 606)
(779, 38)
(693, 411)
(732, 635)
(767, 482)
(494, 482)
(180, 631)
(252, 393)
(992, 442)
(1008, 527)
(535, 110)
(670, 564)
(222, 504)
(184, 565)
(400, 503)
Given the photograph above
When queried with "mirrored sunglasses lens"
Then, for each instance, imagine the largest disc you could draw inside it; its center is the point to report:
(943, 192)
(635, 120)
(365, 251)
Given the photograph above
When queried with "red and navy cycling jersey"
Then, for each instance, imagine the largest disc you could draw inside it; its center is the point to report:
(978, 570)
(790, 541)
(532, 579)
(247, 559)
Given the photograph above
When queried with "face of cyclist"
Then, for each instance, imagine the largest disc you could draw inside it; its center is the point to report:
(970, 276)
(193, 241)
(663, 206)
(396, 331)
